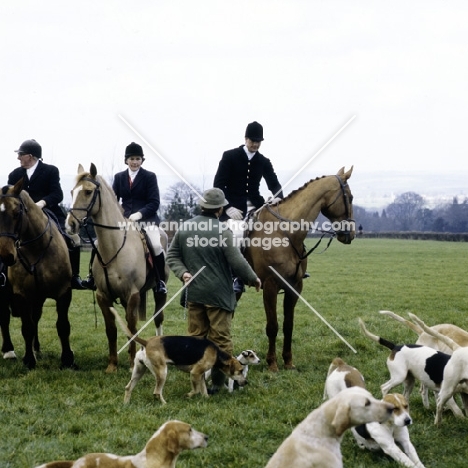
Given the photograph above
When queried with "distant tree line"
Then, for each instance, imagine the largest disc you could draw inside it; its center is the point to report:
(409, 212)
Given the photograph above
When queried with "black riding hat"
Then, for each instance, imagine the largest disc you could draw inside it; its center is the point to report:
(133, 149)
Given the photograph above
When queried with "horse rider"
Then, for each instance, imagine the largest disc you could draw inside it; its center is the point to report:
(42, 182)
(138, 191)
(239, 174)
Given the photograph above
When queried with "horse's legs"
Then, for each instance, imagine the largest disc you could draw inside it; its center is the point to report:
(111, 332)
(159, 302)
(28, 328)
(7, 346)
(289, 303)
(270, 293)
(36, 310)
(131, 314)
(63, 330)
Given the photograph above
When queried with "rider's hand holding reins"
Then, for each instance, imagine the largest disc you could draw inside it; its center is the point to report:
(234, 213)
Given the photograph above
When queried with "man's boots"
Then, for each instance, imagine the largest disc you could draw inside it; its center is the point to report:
(74, 253)
(159, 264)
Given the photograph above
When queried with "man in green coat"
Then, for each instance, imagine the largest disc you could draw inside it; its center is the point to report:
(204, 241)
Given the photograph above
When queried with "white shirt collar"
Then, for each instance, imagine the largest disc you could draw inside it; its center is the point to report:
(248, 153)
(30, 171)
(132, 174)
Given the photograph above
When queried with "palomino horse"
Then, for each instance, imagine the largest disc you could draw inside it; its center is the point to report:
(38, 268)
(120, 268)
(280, 249)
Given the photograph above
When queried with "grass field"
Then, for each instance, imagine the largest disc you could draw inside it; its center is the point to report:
(48, 414)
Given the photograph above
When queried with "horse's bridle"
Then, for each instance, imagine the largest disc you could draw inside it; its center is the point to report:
(96, 194)
(346, 200)
(16, 236)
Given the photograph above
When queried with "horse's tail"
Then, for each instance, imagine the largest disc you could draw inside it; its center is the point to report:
(377, 339)
(445, 339)
(125, 329)
(417, 329)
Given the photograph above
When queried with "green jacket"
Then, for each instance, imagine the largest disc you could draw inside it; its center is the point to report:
(205, 241)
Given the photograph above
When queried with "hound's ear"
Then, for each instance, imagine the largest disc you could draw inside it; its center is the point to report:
(93, 170)
(172, 441)
(80, 169)
(341, 421)
(18, 187)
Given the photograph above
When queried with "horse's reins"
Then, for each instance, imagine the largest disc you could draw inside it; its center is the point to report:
(28, 266)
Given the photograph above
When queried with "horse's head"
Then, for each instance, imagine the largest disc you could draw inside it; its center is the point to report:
(12, 209)
(339, 208)
(85, 198)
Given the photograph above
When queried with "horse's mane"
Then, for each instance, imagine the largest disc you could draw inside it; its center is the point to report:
(290, 195)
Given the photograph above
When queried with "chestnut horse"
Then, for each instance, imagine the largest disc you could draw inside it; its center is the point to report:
(120, 268)
(36, 254)
(278, 256)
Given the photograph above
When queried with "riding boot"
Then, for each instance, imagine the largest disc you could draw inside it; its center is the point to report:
(74, 254)
(89, 283)
(218, 378)
(159, 265)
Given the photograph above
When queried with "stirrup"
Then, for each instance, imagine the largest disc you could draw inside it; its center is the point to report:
(238, 285)
(160, 287)
(76, 283)
(89, 283)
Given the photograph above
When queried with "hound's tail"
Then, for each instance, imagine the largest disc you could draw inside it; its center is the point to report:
(377, 339)
(125, 329)
(445, 339)
(396, 317)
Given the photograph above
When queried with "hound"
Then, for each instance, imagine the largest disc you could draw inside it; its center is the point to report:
(390, 435)
(457, 334)
(161, 451)
(195, 355)
(246, 358)
(316, 441)
(455, 372)
(407, 362)
(341, 376)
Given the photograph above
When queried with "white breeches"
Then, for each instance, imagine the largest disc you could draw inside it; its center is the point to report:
(154, 237)
(237, 227)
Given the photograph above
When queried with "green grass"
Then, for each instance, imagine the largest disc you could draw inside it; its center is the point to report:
(48, 414)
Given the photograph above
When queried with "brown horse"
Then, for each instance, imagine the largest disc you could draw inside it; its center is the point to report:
(38, 263)
(276, 249)
(120, 267)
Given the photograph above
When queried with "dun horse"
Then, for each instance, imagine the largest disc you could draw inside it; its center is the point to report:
(120, 267)
(280, 250)
(39, 268)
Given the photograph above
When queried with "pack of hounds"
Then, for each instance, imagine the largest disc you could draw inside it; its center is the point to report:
(438, 360)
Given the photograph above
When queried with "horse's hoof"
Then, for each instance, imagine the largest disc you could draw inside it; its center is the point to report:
(273, 367)
(111, 368)
(290, 367)
(72, 366)
(9, 355)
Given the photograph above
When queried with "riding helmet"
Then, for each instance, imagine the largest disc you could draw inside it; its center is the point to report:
(133, 149)
(254, 131)
(31, 147)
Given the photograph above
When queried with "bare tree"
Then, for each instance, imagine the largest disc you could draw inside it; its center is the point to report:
(405, 210)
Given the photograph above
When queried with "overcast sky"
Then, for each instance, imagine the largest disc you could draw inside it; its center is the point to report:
(190, 75)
